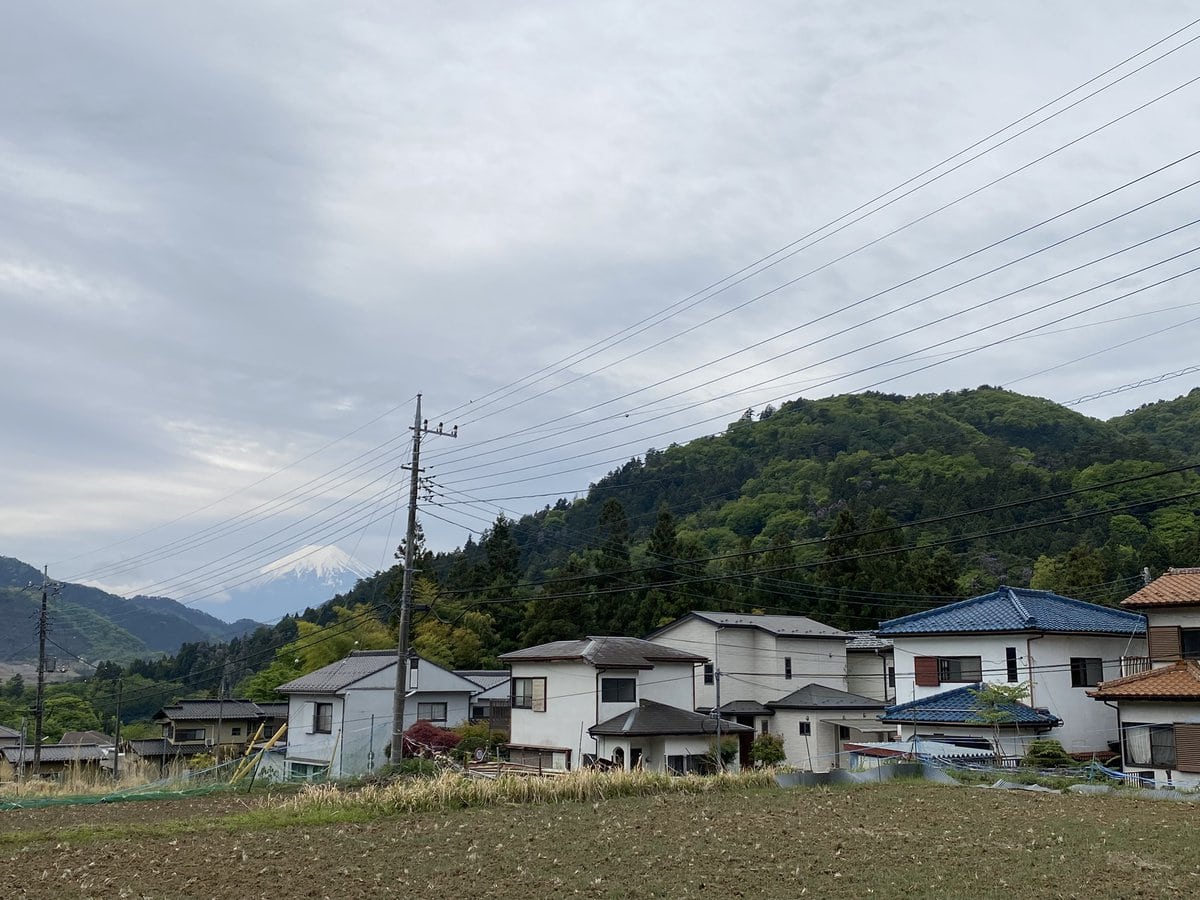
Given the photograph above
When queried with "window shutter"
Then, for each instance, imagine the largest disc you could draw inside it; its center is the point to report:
(307, 717)
(1187, 746)
(1164, 642)
(539, 694)
(926, 670)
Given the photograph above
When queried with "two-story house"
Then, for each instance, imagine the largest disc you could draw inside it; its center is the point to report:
(622, 699)
(219, 727)
(757, 659)
(1057, 646)
(1159, 707)
(340, 716)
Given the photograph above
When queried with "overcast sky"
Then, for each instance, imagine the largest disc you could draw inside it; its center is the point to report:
(240, 237)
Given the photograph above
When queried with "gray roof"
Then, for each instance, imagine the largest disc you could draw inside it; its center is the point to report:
(88, 737)
(781, 626)
(745, 708)
(5, 731)
(337, 676)
(485, 678)
(274, 710)
(156, 747)
(57, 753)
(818, 696)
(651, 718)
(605, 652)
(867, 640)
(206, 708)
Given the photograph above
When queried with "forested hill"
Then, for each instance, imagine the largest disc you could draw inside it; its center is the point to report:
(790, 510)
(789, 477)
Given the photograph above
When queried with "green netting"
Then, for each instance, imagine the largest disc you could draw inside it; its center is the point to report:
(192, 784)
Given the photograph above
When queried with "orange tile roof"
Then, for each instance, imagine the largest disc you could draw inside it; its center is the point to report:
(1175, 587)
(1178, 681)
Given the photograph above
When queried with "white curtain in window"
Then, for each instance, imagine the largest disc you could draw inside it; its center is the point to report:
(1137, 745)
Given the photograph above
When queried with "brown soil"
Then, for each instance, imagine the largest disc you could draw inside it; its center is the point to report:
(887, 840)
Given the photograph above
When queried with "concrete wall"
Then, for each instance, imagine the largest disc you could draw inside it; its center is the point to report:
(655, 750)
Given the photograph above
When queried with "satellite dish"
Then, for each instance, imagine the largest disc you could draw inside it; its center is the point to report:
(479, 754)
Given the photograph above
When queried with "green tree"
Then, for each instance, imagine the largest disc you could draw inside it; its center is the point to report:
(995, 705)
(767, 750)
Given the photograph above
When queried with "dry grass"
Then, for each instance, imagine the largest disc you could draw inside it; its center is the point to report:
(87, 781)
(451, 790)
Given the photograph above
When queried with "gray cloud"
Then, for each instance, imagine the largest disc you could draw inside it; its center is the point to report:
(235, 232)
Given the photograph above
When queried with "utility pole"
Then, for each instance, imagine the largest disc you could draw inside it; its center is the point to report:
(117, 732)
(220, 720)
(39, 709)
(419, 428)
(717, 684)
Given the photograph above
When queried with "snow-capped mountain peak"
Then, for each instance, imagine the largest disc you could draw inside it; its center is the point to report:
(326, 564)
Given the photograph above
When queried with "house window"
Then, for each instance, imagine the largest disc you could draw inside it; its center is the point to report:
(432, 712)
(709, 673)
(1086, 671)
(766, 726)
(618, 690)
(322, 718)
(306, 771)
(1010, 664)
(787, 667)
(529, 693)
(805, 729)
(184, 735)
(959, 669)
(891, 678)
(235, 732)
(1189, 643)
(1150, 745)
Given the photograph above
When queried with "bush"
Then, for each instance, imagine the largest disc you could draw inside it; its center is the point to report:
(1047, 754)
(476, 737)
(767, 750)
(424, 738)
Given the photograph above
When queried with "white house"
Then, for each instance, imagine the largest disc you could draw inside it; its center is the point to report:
(562, 689)
(816, 722)
(340, 716)
(1159, 707)
(1060, 647)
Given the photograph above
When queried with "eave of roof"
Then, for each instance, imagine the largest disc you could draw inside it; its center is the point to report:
(1179, 681)
(1177, 587)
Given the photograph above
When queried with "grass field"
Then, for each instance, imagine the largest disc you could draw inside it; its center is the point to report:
(890, 840)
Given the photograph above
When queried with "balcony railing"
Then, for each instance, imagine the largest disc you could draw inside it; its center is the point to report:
(1134, 665)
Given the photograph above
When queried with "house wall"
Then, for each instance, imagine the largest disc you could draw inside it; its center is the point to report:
(820, 751)
(303, 744)
(573, 701)
(244, 727)
(1044, 662)
(754, 660)
(866, 673)
(1185, 617)
(655, 750)
(1161, 713)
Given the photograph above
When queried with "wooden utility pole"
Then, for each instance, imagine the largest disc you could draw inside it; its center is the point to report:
(39, 707)
(419, 429)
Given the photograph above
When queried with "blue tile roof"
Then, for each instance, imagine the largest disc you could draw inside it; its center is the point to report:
(959, 707)
(1018, 609)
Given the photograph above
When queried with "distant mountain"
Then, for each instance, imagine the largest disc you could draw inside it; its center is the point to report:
(92, 624)
(308, 577)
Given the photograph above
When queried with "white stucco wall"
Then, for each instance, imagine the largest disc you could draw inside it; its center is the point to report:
(866, 673)
(1044, 662)
(1152, 713)
(655, 750)
(1184, 617)
(1012, 744)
